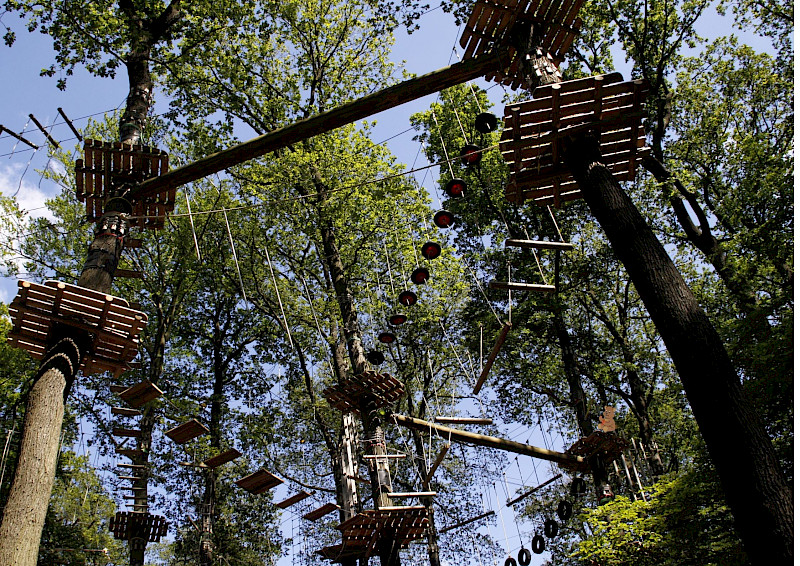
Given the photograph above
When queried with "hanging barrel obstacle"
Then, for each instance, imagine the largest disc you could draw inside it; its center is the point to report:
(485, 122)
(444, 219)
(375, 357)
(387, 338)
(455, 188)
(498, 343)
(431, 250)
(398, 319)
(470, 154)
(420, 275)
(407, 298)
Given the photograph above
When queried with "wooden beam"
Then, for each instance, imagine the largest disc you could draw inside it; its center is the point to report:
(514, 286)
(407, 494)
(463, 420)
(467, 522)
(532, 490)
(538, 244)
(498, 343)
(465, 437)
(369, 105)
(439, 459)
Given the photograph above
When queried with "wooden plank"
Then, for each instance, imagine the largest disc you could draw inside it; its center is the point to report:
(117, 389)
(410, 494)
(436, 463)
(498, 343)
(532, 490)
(350, 112)
(128, 273)
(130, 452)
(125, 411)
(141, 393)
(467, 522)
(320, 512)
(126, 432)
(289, 501)
(455, 435)
(187, 431)
(515, 286)
(259, 481)
(222, 458)
(463, 420)
(538, 244)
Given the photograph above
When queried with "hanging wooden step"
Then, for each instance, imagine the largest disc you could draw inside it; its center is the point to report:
(130, 452)
(126, 432)
(296, 498)
(515, 286)
(498, 343)
(133, 478)
(124, 411)
(222, 458)
(259, 482)
(128, 273)
(140, 394)
(187, 431)
(410, 494)
(463, 420)
(320, 512)
(117, 389)
(538, 244)
(133, 466)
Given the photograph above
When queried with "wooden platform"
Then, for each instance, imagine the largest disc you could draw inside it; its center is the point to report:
(608, 444)
(381, 387)
(187, 431)
(222, 458)
(362, 534)
(491, 22)
(141, 393)
(127, 525)
(108, 165)
(124, 411)
(126, 432)
(296, 498)
(115, 327)
(259, 482)
(320, 512)
(534, 134)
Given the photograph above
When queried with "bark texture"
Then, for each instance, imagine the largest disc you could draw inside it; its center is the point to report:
(754, 486)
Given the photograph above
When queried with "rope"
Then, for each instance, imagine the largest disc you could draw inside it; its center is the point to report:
(280, 302)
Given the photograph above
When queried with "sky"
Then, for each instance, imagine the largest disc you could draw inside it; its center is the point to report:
(24, 92)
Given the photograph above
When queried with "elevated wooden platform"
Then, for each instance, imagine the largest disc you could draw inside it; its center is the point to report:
(114, 326)
(141, 393)
(127, 525)
(107, 166)
(609, 445)
(187, 431)
(296, 498)
(535, 131)
(381, 387)
(362, 534)
(258, 482)
(492, 21)
(222, 458)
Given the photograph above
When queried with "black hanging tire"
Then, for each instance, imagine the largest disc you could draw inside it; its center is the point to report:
(524, 556)
(538, 544)
(485, 122)
(578, 487)
(564, 510)
(550, 528)
(510, 561)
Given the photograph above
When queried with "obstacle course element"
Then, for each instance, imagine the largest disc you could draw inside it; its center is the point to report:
(493, 22)
(222, 458)
(296, 498)
(320, 512)
(609, 445)
(114, 326)
(362, 534)
(138, 527)
(382, 388)
(141, 393)
(259, 481)
(187, 431)
(535, 131)
(108, 166)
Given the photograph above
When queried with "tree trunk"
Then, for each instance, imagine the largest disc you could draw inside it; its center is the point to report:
(755, 488)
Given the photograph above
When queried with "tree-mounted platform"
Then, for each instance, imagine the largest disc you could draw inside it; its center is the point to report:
(127, 525)
(535, 132)
(141, 393)
(492, 22)
(107, 166)
(380, 387)
(113, 325)
(362, 533)
(187, 431)
(258, 482)
(609, 445)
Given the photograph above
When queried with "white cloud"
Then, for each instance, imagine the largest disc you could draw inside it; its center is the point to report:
(30, 189)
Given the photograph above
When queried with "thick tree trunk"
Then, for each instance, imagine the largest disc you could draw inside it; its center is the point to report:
(755, 489)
